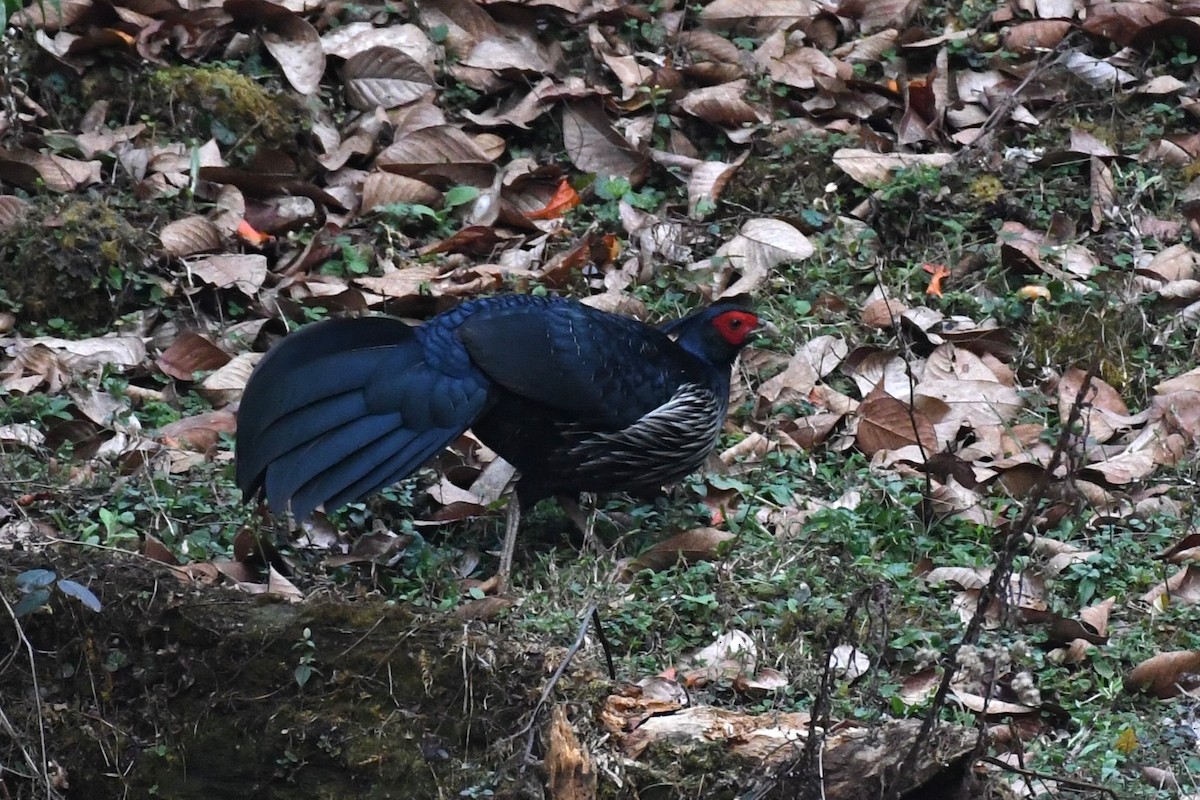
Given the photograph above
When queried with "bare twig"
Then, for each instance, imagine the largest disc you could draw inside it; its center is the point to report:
(40, 771)
(1008, 103)
(604, 645)
(1069, 783)
(530, 728)
(995, 588)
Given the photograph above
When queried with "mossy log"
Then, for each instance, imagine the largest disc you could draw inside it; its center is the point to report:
(183, 691)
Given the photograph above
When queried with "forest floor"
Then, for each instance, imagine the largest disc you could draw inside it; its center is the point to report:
(947, 544)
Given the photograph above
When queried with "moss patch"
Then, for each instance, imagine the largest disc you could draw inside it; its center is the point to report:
(218, 102)
(193, 693)
(78, 259)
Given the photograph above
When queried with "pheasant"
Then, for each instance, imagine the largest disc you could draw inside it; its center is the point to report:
(576, 399)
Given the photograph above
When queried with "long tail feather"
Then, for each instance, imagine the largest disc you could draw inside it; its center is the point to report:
(343, 408)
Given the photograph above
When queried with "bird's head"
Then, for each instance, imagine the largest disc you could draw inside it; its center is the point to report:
(718, 332)
(737, 327)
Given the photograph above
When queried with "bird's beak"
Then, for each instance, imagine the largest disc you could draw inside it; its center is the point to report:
(764, 330)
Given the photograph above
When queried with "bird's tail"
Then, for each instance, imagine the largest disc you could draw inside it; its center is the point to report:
(340, 409)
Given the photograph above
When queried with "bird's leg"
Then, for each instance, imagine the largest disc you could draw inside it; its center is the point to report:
(585, 521)
(512, 523)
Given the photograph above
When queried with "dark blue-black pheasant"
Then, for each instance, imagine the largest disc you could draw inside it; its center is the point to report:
(577, 399)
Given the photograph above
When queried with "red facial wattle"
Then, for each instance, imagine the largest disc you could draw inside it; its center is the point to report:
(736, 326)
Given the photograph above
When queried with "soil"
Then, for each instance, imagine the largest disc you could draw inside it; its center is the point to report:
(187, 691)
(192, 692)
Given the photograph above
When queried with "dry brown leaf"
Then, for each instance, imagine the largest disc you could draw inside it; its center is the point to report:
(882, 312)
(1180, 290)
(384, 77)
(848, 662)
(51, 16)
(629, 72)
(816, 359)
(86, 355)
(1124, 468)
(1097, 615)
(874, 15)
(990, 707)
(732, 645)
(189, 236)
(1185, 550)
(33, 171)
(886, 423)
(385, 188)
(948, 362)
(296, 46)
(406, 282)
(763, 16)
(1104, 413)
(1097, 73)
(1165, 674)
(874, 169)
(280, 586)
(749, 450)
(200, 432)
(974, 403)
(953, 499)
(593, 145)
(191, 353)
(807, 432)
(919, 687)
(1176, 263)
(764, 680)
(707, 181)
(1182, 587)
(724, 105)
(518, 49)
(759, 246)
(802, 67)
(1021, 248)
(376, 547)
(1040, 34)
(155, 550)
(1160, 778)
(13, 211)
(443, 151)
(21, 435)
(1187, 382)
(1061, 561)
(877, 371)
(242, 271)
(525, 107)
(698, 544)
(233, 376)
(347, 41)
(964, 577)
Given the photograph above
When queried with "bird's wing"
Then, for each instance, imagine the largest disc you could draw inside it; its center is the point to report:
(598, 368)
(342, 408)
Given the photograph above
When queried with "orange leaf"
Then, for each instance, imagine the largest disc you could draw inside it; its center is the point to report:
(614, 246)
(565, 198)
(252, 235)
(938, 273)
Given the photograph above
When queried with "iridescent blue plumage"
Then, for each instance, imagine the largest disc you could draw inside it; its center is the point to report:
(575, 398)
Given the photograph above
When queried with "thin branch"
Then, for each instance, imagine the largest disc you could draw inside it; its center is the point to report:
(996, 587)
(42, 772)
(530, 727)
(1069, 783)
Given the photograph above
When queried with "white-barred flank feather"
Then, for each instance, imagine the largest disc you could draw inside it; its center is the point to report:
(662, 447)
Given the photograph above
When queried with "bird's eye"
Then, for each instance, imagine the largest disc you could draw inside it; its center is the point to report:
(735, 323)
